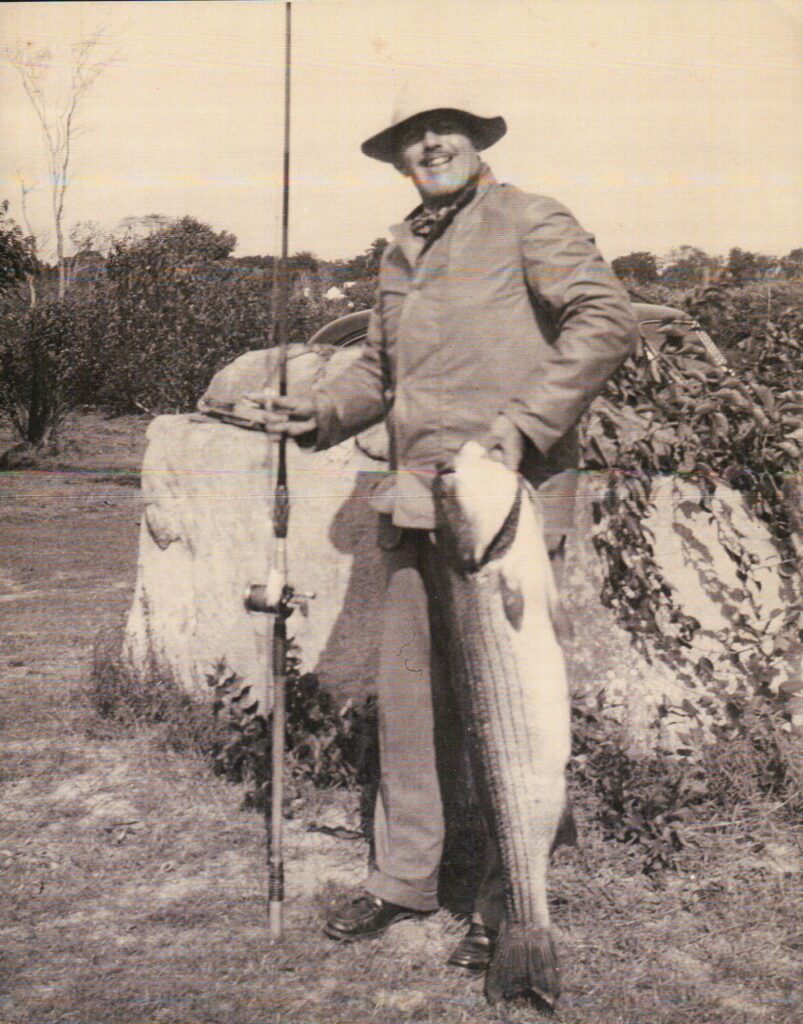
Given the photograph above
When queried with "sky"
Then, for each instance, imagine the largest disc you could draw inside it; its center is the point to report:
(659, 123)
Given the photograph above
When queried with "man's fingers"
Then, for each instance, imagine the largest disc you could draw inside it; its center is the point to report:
(502, 450)
(271, 400)
(283, 414)
(290, 422)
(504, 442)
(293, 428)
(295, 407)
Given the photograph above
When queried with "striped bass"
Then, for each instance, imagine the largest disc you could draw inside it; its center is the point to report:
(502, 601)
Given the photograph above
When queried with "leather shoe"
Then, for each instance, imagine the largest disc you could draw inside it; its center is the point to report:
(475, 949)
(366, 917)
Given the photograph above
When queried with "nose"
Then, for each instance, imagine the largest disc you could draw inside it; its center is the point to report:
(431, 138)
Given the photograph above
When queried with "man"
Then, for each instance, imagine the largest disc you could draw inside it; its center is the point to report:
(496, 319)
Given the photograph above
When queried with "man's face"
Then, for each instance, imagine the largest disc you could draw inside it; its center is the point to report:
(436, 151)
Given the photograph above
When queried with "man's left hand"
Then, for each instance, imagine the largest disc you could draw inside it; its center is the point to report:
(505, 442)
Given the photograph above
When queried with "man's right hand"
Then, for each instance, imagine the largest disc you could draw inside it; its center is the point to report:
(284, 414)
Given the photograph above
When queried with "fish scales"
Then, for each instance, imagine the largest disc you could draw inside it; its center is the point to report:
(491, 707)
(501, 603)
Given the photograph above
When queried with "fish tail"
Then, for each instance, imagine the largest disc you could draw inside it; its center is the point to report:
(524, 966)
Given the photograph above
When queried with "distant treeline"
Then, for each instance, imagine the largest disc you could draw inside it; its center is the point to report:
(148, 318)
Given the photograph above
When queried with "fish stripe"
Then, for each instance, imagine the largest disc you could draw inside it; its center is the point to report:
(491, 693)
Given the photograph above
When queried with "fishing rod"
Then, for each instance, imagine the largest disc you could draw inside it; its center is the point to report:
(277, 597)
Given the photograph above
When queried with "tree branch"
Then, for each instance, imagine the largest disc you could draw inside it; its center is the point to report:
(58, 120)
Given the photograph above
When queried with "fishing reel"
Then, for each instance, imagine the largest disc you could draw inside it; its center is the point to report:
(276, 597)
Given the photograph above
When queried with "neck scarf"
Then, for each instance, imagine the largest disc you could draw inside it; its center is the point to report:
(430, 222)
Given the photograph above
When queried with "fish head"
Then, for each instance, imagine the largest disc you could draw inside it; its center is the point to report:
(474, 496)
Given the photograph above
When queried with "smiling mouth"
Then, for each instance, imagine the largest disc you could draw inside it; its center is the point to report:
(441, 160)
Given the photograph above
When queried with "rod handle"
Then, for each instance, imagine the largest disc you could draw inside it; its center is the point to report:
(275, 919)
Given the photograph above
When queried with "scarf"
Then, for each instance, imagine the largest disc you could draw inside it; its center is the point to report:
(430, 222)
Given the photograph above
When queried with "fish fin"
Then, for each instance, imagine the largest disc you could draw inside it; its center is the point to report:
(566, 832)
(512, 602)
(524, 966)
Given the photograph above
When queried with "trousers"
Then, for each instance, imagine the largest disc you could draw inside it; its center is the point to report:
(419, 733)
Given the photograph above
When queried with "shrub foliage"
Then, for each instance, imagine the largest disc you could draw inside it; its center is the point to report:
(327, 745)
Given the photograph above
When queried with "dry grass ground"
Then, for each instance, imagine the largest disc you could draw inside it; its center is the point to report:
(133, 884)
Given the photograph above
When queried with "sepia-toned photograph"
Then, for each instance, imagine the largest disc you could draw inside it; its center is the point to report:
(401, 512)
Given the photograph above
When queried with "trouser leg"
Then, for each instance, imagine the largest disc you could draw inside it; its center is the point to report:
(408, 823)
(489, 903)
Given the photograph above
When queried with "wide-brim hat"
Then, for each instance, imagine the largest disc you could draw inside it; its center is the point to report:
(417, 98)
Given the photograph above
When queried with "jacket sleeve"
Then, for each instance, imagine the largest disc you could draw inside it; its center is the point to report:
(355, 398)
(595, 325)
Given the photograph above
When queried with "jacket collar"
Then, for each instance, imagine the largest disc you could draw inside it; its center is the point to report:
(411, 245)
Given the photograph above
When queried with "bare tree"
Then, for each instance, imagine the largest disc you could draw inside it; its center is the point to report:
(29, 277)
(58, 117)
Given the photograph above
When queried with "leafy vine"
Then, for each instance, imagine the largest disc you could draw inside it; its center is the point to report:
(682, 410)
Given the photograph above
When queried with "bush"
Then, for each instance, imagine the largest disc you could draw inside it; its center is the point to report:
(734, 315)
(645, 803)
(325, 745)
(145, 331)
(648, 803)
(43, 366)
(17, 253)
(147, 328)
(711, 425)
(167, 333)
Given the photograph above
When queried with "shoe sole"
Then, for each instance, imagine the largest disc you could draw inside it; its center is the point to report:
(476, 958)
(472, 968)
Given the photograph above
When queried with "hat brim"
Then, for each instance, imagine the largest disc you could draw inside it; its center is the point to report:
(484, 131)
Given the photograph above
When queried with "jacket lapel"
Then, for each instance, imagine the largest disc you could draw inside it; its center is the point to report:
(409, 244)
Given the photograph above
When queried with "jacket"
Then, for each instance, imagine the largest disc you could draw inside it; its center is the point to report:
(511, 310)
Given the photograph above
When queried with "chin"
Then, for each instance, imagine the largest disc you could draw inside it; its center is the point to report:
(444, 187)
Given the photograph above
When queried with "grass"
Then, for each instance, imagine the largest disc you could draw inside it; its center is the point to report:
(133, 884)
(120, 704)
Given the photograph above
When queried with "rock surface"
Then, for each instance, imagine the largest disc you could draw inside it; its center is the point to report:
(646, 696)
(206, 534)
